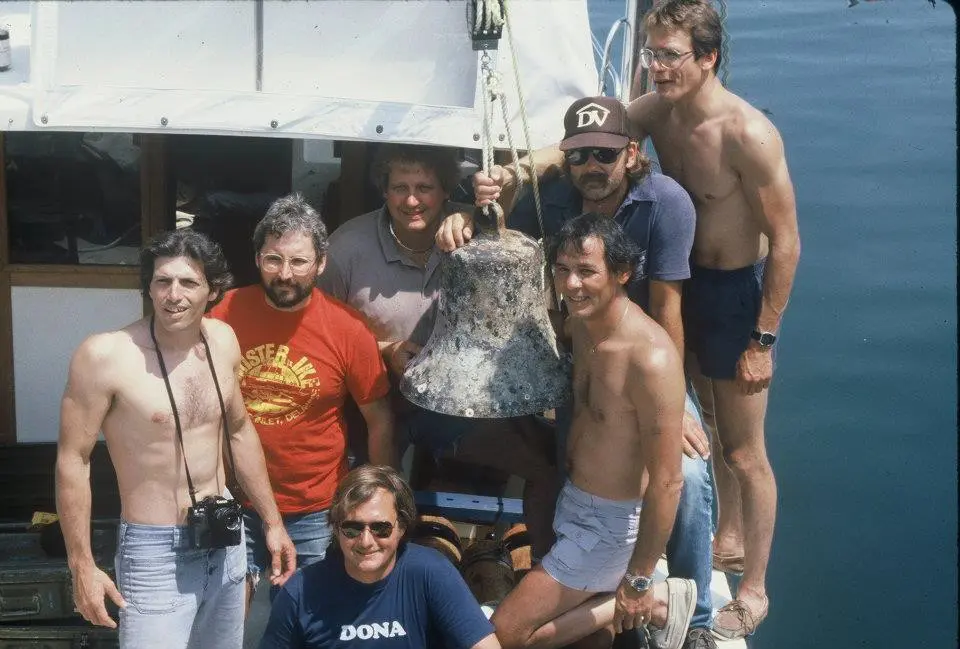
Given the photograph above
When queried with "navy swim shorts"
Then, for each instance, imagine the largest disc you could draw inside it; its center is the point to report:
(720, 309)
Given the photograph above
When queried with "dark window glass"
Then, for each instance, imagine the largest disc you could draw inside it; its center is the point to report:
(224, 185)
(73, 198)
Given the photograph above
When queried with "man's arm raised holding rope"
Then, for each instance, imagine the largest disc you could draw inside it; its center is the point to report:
(500, 185)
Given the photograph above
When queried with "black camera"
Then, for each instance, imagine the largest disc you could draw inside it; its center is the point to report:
(214, 522)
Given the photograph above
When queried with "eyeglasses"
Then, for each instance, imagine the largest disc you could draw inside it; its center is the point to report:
(353, 529)
(667, 58)
(602, 155)
(274, 263)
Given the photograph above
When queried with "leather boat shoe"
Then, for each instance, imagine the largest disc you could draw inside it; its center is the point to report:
(736, 620)
(731, 564)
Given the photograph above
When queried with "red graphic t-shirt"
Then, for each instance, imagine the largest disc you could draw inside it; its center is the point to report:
(296, 369)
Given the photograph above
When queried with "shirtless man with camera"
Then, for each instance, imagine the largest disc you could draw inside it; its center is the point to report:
(161, 390)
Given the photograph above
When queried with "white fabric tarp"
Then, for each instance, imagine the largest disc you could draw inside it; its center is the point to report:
(375, 70)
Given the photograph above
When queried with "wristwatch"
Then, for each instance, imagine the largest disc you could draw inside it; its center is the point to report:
(765, 338)
(639, 583)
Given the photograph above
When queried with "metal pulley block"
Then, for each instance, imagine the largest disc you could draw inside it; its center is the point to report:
(485, 20)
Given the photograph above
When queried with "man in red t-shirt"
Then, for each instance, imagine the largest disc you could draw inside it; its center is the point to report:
(302, 353)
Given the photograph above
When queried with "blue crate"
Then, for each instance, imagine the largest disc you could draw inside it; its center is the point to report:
(470, 508)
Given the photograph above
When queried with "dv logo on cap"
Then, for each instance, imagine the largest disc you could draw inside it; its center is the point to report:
(592, 114)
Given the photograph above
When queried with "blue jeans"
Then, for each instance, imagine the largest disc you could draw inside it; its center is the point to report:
(310, 533)
(690, 546)
(689, 549)
(437, 431)
(178, 597)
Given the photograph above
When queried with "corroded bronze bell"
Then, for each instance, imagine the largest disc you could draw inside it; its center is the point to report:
(493, 352)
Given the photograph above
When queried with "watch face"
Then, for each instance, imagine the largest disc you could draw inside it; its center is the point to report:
(640, 583)
(766, 339)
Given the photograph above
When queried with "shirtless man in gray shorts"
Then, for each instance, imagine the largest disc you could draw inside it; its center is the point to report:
(611, 524)
(162, 389)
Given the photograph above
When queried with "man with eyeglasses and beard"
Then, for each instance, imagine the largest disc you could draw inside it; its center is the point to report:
(604, 172)
(375, 587)
(303, 353)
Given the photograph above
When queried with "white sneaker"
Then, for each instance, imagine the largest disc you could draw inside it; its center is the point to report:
(681, 601)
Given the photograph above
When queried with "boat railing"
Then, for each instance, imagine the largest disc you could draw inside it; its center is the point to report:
(617, 76)
(607, 66)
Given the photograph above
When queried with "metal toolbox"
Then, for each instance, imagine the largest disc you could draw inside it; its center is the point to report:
(60, 636)
(35, 586)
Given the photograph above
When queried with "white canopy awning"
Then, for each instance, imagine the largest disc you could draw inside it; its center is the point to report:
(380, 70)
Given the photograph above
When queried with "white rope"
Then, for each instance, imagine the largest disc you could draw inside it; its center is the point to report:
(524, 122)
(492, 92)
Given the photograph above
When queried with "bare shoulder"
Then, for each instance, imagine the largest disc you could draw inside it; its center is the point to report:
(100, 357)
(653, 353)
(105, 348)
(750, 135)
(646, 111)
(221, 337)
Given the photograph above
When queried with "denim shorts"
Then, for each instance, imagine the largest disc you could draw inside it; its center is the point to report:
(178, 597)
(310, 533)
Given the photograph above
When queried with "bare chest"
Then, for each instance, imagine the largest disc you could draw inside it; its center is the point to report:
(191, 397)
(600, 388)
(695, 158)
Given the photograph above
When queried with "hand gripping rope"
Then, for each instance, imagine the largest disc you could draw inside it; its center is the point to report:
(490, 16)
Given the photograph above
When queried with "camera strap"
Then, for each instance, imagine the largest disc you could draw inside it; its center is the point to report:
(176, 413)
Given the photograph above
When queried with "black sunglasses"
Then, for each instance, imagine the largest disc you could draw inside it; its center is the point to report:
(602, 155)
(353, 529)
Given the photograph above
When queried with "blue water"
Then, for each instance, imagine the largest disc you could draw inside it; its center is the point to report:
(862, 424)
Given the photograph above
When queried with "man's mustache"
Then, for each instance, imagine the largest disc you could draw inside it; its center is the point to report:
(594, 177)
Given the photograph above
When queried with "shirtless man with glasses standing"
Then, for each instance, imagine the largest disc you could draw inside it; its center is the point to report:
(731, 160)
(303, 354)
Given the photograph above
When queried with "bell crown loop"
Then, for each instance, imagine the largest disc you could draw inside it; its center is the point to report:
(491, 219)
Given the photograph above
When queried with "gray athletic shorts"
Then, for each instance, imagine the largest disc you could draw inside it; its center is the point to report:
(595, 539)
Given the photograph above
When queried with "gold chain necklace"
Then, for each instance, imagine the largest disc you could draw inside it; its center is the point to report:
(406, 247)
(593, 350)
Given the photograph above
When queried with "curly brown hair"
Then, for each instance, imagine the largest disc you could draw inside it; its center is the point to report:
(441, 161)
(186, 242)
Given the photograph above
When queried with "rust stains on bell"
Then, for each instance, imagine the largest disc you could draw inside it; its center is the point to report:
(493, 352)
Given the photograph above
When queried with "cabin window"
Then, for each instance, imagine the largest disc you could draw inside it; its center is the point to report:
(73, 198)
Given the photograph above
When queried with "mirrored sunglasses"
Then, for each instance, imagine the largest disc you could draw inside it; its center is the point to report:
(602, 155)
(353, 529)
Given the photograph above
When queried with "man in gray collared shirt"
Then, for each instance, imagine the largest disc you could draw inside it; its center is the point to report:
(385, 265)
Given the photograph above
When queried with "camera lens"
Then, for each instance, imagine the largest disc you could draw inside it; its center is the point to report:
(229, 517)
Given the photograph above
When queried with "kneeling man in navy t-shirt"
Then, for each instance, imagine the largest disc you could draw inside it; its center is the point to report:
(377, 590)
